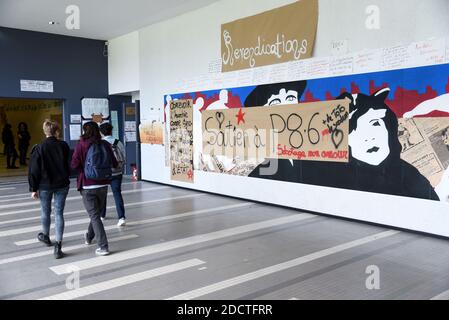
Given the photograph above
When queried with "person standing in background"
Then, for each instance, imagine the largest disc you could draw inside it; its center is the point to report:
(48, 177)
(117, 173)
(10, 148)
(24, 142)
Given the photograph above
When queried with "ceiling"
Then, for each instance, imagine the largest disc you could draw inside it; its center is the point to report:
(99, 19)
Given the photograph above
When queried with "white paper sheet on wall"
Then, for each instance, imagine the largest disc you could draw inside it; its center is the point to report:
(36, 86)
(75, 118)
(260, 76)
(278, 72)
(367, 61)
(92, 106)
(214, 66)
(244, 77)
(341, 65)
(447, 49)
(317, 68)
(130, 136)
(130, 126)
(75, 132)
(229, 79)
(339, 47)
(429, 52)
(397, 57)
(296, 70)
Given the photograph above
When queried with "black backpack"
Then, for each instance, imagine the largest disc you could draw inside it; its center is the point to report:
(98, 164)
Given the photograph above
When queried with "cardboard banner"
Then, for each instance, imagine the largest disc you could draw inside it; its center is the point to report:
(181, 140)
(315, 131)
(280, 35)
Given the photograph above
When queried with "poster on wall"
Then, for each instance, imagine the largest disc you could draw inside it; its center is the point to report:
(280, 35)
(315, 131)
(181, 140)
(151, 132)
(75, 132)
(96, 110)
(75, 118)
(398, 133)
(36, 86)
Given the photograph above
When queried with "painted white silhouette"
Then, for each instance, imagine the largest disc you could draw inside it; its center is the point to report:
(440, 103)
(216, 163)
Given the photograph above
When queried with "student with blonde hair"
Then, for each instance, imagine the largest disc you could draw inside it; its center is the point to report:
(49, 172)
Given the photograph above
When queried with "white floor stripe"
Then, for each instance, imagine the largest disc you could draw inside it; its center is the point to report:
(26, 204)
(279, 267)
(4, 189)
(141, 222)
(123, 281)
(23, 211)
(71, 189)
(17, 199)
(109, 207)
(64, 249)
(180, 243)
(14, 232)
(442, 296)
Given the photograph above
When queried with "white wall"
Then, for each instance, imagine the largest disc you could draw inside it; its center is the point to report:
(123, 63)
(182, 48)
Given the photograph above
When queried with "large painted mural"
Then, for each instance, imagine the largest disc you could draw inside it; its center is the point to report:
(398, 131)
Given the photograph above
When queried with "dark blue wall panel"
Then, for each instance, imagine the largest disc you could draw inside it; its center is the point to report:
(76, 66)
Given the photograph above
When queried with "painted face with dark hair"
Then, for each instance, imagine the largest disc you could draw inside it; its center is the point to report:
(369, 141)
(283, 97)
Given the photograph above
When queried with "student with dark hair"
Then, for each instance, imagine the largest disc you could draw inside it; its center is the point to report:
(48, 177)
(24, 142)
(10, 148)
(93, 158)
(117, 173)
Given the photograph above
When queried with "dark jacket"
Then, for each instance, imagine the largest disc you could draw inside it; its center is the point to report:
(79, 159)
(49, 167)
(7, 137)
(24, 139)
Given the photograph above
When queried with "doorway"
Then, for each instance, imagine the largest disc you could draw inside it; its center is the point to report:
(31, 112)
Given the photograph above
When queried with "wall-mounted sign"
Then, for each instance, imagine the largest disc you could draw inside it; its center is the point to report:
(275, 36)
(94, 109)
(130, 111)
(181, 140)
(315, 131)
(75, 118)
(36, 86)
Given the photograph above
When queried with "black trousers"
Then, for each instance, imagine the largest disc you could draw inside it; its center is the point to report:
(23, 150)
(11, 156)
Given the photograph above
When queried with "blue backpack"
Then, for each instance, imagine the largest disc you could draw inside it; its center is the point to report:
(98, 164)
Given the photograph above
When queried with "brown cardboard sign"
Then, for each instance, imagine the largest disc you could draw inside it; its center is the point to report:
(181, 140)
(280, 35)
(315, 131)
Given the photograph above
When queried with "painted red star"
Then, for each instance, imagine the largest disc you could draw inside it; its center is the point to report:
(190, 174)
(240, 116)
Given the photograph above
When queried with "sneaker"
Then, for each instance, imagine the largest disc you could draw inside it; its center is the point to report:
(121, 222)
(44, 239)
(102, 252)
(87, 240)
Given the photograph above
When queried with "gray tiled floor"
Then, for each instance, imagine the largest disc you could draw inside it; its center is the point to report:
(233, 261)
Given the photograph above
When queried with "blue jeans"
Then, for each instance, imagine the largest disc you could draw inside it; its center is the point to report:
(116, 186)
(45, 197)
